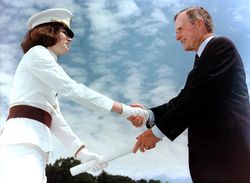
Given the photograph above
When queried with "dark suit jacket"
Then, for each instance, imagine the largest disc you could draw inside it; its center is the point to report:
(214, 106)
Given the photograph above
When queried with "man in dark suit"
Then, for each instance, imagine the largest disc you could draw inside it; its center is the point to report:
(213, 106)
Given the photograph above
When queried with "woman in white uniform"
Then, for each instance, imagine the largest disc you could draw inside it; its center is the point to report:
(34, 112)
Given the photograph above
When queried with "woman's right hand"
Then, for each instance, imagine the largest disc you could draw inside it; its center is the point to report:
(137, 120)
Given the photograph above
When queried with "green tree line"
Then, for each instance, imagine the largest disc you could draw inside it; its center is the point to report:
(59, 172)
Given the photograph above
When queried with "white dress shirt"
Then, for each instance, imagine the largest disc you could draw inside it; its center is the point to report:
(37, 81)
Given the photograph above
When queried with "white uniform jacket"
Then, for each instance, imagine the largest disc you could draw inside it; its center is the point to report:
(38, 80)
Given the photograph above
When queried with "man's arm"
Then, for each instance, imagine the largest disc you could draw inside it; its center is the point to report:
(201, 88)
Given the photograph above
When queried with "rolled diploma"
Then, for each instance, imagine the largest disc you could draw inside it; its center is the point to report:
(84, 167)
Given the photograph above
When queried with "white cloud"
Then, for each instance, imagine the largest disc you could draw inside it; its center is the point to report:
(159, 16)
(106, 28)
(156, 44)
(133, 85)
(172, 5)
(149, 25)
(240, 13)
(127, 9)
(9, 57)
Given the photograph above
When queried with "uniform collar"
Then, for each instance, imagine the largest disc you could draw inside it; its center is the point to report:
(203, 45)
(54, 55)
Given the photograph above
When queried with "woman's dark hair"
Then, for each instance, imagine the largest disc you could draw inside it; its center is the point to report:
(46, 34)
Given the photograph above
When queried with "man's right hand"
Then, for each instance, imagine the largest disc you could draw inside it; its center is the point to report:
(137, 121)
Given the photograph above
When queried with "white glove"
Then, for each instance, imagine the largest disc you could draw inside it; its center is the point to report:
(85, 155)
(128, 111)
(98, 165)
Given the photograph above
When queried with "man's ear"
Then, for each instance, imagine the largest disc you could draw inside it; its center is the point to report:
(200, 23)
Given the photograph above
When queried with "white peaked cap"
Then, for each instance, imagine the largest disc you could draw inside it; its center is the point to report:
(51, 15)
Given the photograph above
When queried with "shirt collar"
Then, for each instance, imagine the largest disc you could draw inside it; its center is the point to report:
(203, 45)
(54, 55)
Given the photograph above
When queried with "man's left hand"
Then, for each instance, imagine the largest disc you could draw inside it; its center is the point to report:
(147, 140)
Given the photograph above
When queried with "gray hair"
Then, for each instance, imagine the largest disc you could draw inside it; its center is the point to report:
(195, 13)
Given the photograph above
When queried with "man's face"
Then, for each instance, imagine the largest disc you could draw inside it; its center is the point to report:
(188, 34)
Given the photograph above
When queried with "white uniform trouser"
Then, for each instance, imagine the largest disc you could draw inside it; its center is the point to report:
(22, 163)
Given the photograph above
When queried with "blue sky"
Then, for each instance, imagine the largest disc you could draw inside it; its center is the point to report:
(126, 50)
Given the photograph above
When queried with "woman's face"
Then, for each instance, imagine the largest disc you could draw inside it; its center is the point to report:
(63, 43)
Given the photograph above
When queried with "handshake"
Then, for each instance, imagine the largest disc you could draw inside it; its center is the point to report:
(137, 115)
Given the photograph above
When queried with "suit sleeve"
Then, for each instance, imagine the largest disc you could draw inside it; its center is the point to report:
(159, 110)
(217, 60)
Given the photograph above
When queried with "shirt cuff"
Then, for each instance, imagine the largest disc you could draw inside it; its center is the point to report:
(151, 119)
(157, 132)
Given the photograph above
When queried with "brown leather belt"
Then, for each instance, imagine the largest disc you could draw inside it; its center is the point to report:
(25, 111)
